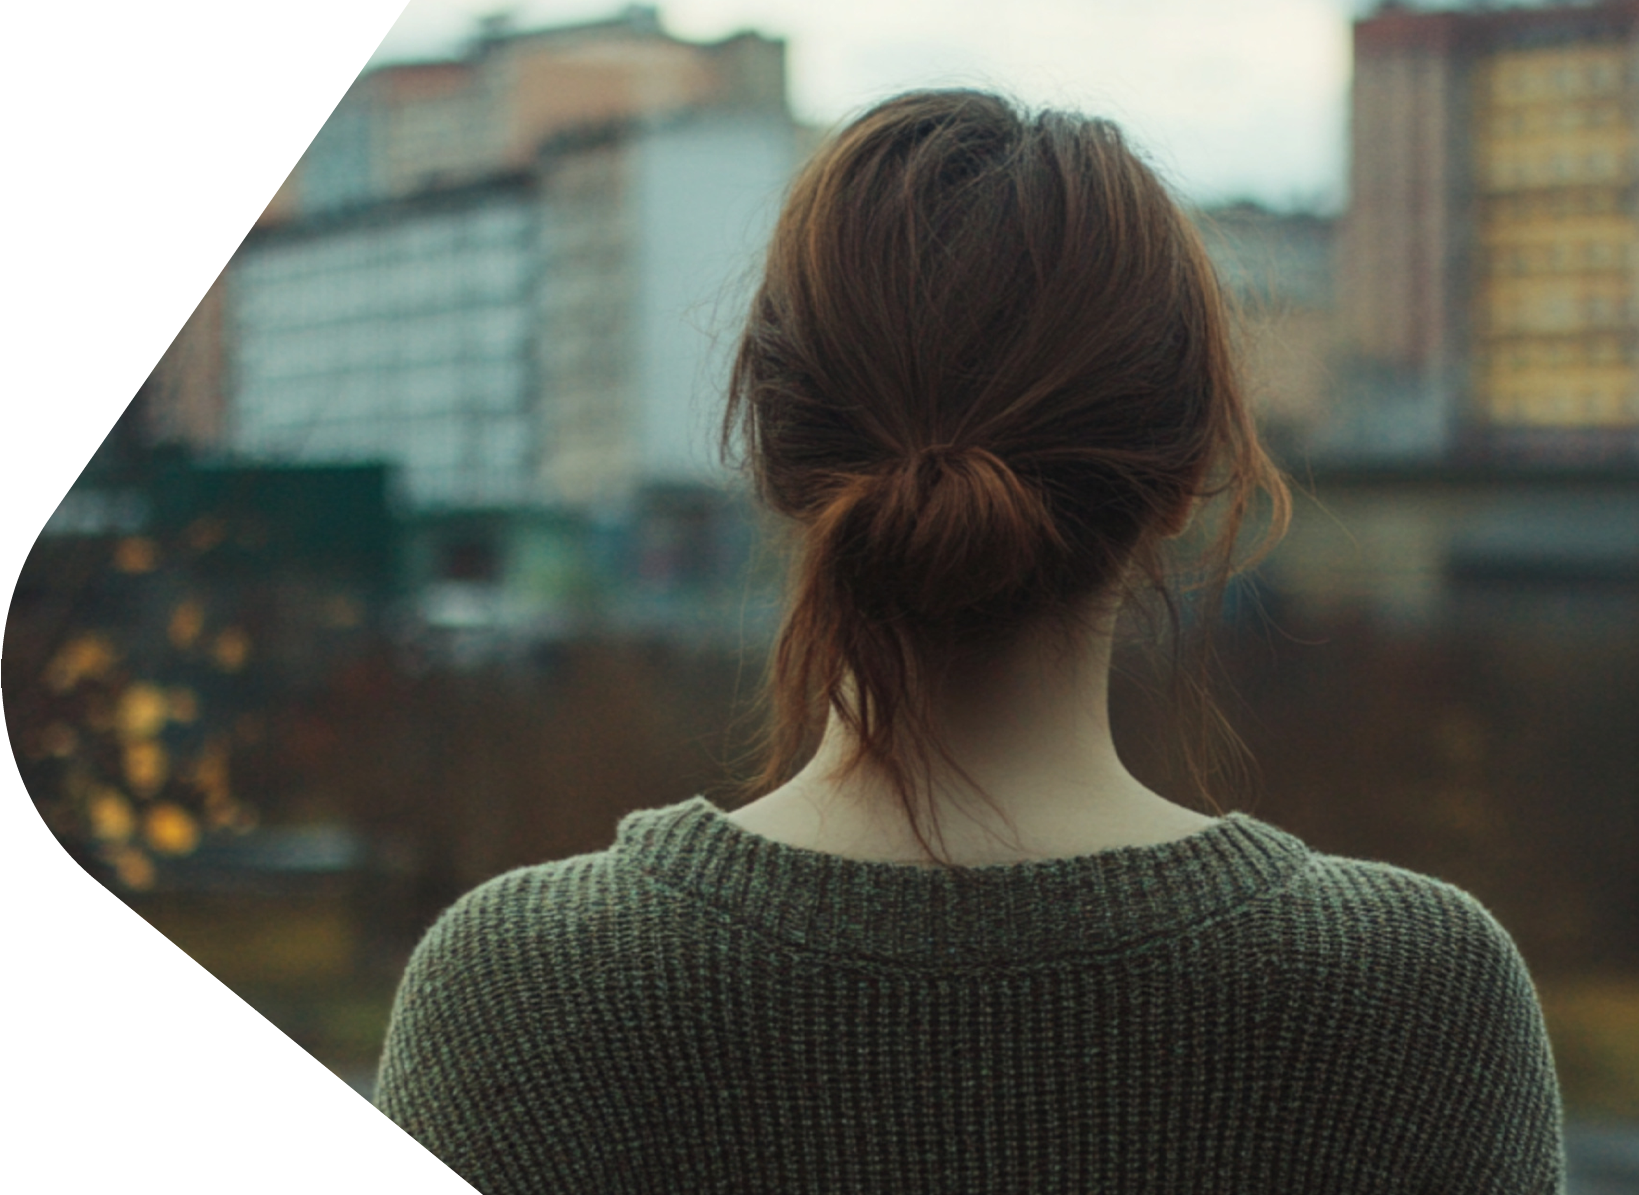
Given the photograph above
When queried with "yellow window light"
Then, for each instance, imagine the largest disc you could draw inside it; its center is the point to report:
(142, 712)
(147, 767)
(170, 830)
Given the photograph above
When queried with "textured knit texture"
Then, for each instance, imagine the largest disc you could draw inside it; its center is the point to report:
(701, 1009)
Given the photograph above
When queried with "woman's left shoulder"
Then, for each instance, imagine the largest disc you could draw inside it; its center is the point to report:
(1394, 909)
(1412, 955)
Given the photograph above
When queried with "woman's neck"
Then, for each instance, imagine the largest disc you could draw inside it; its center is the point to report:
(1030, 727)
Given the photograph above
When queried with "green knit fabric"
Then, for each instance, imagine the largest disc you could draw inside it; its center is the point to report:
(701, 1009)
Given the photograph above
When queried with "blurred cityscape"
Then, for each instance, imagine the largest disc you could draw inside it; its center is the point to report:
(413, 559)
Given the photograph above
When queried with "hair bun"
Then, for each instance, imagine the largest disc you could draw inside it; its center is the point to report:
(941, 535)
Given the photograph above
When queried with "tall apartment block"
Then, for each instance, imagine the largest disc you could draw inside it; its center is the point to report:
(513, 277)
(416, 129)
(1490, 256)
(416, 126)
(1278, 266)
(555, 336)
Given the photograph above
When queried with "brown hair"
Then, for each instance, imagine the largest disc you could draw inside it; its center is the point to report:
(986, 374)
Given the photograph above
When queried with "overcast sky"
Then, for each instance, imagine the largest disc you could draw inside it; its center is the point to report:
(1231, 98)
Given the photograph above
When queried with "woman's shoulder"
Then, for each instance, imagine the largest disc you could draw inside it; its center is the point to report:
(1377, 935)
(493, 1008)
(531, 913)
(533, 937)
(1387, 907)
(1415, 984)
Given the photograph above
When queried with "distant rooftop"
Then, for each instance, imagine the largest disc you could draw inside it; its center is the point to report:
(635, 22)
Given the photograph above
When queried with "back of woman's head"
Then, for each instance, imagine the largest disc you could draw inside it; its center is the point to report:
(987, 375)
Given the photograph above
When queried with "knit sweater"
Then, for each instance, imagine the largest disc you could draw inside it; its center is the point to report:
(702, 1009)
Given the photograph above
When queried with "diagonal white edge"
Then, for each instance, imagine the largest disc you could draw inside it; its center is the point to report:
(142, 140)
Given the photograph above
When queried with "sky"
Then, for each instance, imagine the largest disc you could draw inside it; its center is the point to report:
(1242, 99)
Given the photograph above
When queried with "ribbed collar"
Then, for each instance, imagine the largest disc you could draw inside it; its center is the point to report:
(1012, 912)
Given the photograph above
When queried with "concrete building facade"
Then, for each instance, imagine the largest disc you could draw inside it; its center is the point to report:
(1279, 269)
(1556, 231)
(404, 334)
(552, 337)
(513, 278)
(408, 127)
(414, 128)
(1487, 265)
(540, 355)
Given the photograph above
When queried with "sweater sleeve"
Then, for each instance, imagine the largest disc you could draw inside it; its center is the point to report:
(475, 1064)
(1496, 1109)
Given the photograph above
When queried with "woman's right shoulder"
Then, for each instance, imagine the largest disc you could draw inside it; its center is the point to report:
(539, 904)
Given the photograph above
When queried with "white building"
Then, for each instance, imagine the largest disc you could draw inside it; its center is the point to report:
(405, 334)
(553, 341)
(558, 338)
(650, 243)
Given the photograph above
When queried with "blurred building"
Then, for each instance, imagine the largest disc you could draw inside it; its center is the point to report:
(409, 127)
(183, 399)
(1415, 549)
(401, 333)
(1278, 266)
(545, 342)
(1488, 261)
(512, 277)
